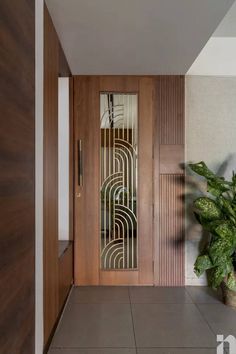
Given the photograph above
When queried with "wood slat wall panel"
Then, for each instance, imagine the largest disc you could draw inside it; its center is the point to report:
(171, 109)
(169, 181)
(17, 176)
(170, 256)
(171, 159)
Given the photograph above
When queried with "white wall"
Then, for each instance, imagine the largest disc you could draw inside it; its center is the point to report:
(63, 158)
(39, 177)
(217, 58)
(210, 136)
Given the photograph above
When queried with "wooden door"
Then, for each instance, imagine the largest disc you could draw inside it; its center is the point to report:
(88, 270)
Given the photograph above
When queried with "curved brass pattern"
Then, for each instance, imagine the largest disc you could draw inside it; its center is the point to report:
(119, 244)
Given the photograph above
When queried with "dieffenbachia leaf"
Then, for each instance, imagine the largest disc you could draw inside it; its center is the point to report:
(225, 204)
(202, 170)
(207, 208)
(216, 187)
(220, 272)
(231, 281)
(208, 225)
(227, 230)
(202, 264)
(221, 250)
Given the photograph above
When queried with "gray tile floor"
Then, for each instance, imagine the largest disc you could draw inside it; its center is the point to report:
(142, 320)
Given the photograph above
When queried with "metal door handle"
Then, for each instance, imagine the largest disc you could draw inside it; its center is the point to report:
(80, 163)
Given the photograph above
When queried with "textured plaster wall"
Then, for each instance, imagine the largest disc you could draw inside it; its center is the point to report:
(210, 136)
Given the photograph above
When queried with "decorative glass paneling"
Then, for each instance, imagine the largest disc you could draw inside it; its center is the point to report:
(119, 170)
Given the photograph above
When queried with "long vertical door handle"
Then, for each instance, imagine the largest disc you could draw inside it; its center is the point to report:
(80, 162)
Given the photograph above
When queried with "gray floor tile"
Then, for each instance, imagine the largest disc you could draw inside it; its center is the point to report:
(204, 295)
(171, 325)
(94, 326)
(94, 351)
(221, 318)
(150, 294)
(100, 294)
(176, 351)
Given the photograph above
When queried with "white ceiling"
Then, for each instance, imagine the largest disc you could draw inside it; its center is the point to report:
(135, 36)
(218, 57)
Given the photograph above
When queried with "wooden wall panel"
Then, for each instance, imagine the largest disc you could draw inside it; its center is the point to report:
(17, 176)
(170, 94)
(171, 159)
(170, 248)
(65, 274)
(63, 69)
(51, 68)
(87, 204)
(119, 83)
(169, 181)
(55, 65)
(71, 160)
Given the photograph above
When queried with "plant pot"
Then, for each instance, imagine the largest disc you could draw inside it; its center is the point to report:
(229, 296)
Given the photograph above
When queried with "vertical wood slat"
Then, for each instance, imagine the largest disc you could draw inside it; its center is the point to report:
(170, 255)
(171, 109)
(169, 182)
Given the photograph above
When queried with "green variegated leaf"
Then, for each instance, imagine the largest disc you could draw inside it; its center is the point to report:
(202, 264)
(220, 250)
(208, 225)
(202, 170)
(207, 208)
(225, 204)
(217, 215)
(216, 187)
(231, 281)
(219, 273)
(227, 230)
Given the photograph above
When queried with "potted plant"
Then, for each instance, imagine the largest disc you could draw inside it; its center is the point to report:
(216, 212)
